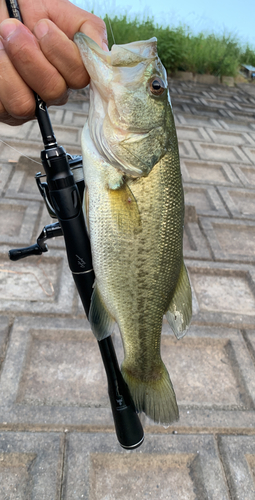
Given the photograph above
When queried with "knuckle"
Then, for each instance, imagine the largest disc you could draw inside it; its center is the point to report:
(21, 107)
(78, 79)
(53, 87)
(20, 53)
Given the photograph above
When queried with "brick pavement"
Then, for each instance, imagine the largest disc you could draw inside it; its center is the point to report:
(56, 433)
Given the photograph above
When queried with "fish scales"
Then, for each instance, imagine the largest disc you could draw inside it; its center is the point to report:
(134, 212)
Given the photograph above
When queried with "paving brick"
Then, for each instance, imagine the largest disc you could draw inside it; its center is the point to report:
(238, 453)
(194, 243)
(30, 465)
(250, 153)
(216, 103)
(236, 126)
(249, 336)
(20, 131)
(182, 99)
(6, 170)
(17, 221)
(186, 150)
(213, 113)
(4, 330)
(230, 240)
(210, 361)
(213, 152)
(192, 134)
(186, 467)
(41, 284)
(229, 138)
(56, 114)
(53, 376)
(225, 292)
(22, 184)
(199, 121)
(208, 172)
(64, 134)
(246, 174)
(205, 199)
(252, 136)
(240, 202)
(79, 119)
(14, 148)
(59, 371)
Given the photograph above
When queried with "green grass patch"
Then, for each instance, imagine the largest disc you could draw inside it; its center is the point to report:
(180, 49)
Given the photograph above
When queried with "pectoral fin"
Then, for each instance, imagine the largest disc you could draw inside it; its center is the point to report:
(124, 208)
(179, 312)
(101, 321)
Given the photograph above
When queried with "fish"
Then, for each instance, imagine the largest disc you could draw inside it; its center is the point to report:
(134, 213)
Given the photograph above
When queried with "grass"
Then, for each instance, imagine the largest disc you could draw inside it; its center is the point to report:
(180, 49)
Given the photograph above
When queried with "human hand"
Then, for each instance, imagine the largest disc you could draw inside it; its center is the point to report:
(41, 55)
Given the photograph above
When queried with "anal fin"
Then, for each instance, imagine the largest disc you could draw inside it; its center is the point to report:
(179, 312)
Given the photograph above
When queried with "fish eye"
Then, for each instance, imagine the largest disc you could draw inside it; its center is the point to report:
(156, 86)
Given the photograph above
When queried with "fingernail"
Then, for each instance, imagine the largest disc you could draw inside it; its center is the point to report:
(7, 28)
(41, 29)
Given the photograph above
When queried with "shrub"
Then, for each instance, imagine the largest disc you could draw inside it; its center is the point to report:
(180, 49)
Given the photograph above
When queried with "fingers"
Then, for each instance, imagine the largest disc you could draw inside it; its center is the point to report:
(66, 16)
(16, 99)
(42, 56)
(62, 53)
(30, 63)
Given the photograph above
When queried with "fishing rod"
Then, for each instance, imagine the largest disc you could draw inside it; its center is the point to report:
(62, 194)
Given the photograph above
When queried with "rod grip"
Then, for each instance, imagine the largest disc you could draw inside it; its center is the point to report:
(128, 427)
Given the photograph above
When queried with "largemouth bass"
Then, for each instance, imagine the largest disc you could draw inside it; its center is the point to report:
(134, 212)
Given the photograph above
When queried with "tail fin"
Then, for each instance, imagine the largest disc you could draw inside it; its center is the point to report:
(156, 398)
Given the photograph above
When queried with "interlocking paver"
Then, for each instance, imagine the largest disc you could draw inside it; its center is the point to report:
(211, 172)
(36, 284)
(17, 220)
(186, 150)
(218, 152)
(230, 240)
(205, 199)
(4, 330)
(194, 243)
(181, 467)
(51, 374)
(229, 138)
(225, 292)
(192, 134)
(6, 170)
(240, 202)
(30, 465)
(239, 463)
(199, 121)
